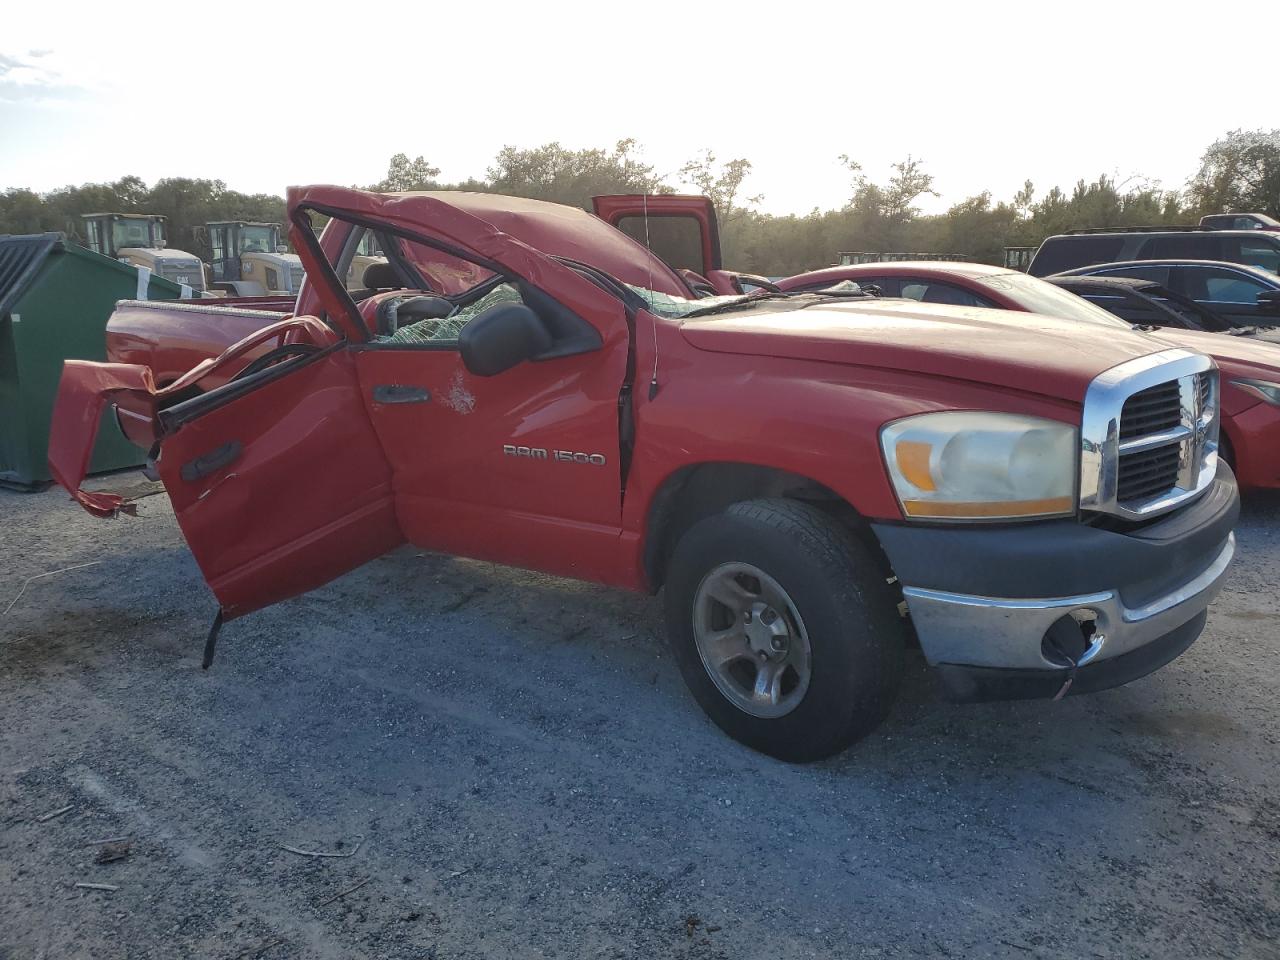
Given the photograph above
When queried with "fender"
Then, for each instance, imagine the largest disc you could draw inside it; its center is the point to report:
(817, 422)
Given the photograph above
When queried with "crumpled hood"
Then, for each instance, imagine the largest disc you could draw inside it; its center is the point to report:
(1021, 351)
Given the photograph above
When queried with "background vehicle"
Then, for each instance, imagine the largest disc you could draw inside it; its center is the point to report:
(250, 259)
(1148, 303)
(139, 239)
(1239, 221)
(1070, 251)
(1250, 366)
(1243, 295)
(846, 257)
(543, 395)
(367, 254)
(1018, 258)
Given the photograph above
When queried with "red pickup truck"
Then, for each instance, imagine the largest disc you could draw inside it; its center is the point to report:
(811, 478)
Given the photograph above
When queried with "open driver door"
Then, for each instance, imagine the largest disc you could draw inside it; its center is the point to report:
(277, 477)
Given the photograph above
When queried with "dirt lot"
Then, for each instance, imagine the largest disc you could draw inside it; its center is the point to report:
(513, 764)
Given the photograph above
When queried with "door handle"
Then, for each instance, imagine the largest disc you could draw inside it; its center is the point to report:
(399, 393)
(212, 461)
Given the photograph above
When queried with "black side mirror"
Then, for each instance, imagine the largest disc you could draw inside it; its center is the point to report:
(1269, 301)
(501, 337)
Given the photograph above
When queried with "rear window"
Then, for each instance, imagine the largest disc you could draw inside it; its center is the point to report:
(1066, 253)
(677, 240)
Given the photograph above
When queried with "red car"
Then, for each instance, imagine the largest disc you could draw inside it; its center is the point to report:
(1250, 368)
(529, 385)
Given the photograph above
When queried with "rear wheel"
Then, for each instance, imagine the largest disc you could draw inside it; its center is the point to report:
(784, 628)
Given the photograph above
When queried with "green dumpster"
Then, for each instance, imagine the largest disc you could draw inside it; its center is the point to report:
(55, 298)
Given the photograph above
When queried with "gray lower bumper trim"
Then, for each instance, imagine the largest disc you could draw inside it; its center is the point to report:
(996, 632)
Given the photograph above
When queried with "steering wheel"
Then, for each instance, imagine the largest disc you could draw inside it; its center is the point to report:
(280, 354)
(753, 280)
(394, 312)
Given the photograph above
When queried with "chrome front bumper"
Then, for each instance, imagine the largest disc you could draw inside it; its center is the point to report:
(962, 629)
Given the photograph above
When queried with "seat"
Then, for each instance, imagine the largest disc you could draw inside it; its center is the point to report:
(381, 276)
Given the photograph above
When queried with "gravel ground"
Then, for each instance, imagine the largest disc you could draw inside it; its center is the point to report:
(511, 763)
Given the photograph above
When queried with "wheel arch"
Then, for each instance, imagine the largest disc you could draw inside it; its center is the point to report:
(696, 491)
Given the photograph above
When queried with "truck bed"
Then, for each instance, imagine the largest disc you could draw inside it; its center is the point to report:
(172, 336)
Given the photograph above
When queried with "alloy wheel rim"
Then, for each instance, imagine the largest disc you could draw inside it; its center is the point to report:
(752, 640)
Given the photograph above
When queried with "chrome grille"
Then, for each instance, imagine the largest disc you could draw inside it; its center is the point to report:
(1150, 435)
(1151, 410)
(1147, 474)
(295, 277)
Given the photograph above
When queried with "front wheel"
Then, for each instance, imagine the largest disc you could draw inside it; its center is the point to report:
(784, 628)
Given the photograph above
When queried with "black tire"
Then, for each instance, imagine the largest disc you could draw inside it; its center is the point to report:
(850, 615)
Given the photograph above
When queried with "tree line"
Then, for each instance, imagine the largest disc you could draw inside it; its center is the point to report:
(1237, 173)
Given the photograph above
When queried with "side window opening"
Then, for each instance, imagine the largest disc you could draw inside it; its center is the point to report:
(1066, 253)
(927, 291)
(1222, 286)
(1258, 253)
(1191, 246)
(439, 330)
(425, 295)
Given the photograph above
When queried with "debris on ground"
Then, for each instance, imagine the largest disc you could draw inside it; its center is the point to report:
(40, 576)
(260, 948)
(112, 851)
(351, 889)
(325, 853)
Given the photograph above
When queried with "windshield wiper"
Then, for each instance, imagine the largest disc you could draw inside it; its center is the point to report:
(751, 299)
(745, 303)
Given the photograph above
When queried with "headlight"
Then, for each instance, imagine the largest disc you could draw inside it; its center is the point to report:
(963, 465)
(1269, 392)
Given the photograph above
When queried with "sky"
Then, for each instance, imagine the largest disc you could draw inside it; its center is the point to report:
(986, 94)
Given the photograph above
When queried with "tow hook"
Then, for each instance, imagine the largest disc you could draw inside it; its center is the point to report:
(1073, 641)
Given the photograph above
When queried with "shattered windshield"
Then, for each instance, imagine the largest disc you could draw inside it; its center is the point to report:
(677, 308)
(673, 308)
